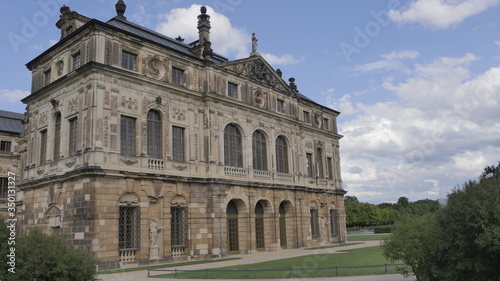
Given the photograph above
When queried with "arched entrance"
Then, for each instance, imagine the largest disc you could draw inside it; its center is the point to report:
(287, 225)
(283, 242)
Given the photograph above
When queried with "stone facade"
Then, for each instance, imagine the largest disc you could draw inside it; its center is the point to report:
(160, 150)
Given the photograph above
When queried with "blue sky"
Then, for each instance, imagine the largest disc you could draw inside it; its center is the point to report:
(417, 82)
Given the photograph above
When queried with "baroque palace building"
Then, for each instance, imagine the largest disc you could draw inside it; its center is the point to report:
(142, 148)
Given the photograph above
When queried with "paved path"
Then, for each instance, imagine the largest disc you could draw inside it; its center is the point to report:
(263, 257)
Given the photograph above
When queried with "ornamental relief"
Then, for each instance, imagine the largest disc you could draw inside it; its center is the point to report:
(130, 103)
(258, 70)
(155, 68)
(43, 119)
(72, 106)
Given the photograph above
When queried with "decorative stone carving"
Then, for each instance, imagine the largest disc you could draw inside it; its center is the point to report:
(105, 133)
(72, 105)
(155, 68)
(130, 103)
(60, 68)
(179, 201)
(128, 162)
(70, 163)
(129, 198)
(179, 114)
(43, 119)
(179, 168)
(154, 228)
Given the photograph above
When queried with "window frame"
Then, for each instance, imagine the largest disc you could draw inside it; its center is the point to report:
(309, 165)
(76, 60)
(57, 136)
(178, 144)
(177, 76)
(129, 227)
(72, 136)
(320, 169)
(47, 76)
(314, 223)
(233, 146)
(4, 188)
(154, 132)
(179, 226)
(232, 90)
(282, 165)
(306, 116)
(280, 105)
(129, 60)
(259, 151)
(5, 146)
(43, 146)
(128, 142)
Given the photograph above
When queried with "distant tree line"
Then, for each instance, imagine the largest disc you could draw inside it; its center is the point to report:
(366, 214)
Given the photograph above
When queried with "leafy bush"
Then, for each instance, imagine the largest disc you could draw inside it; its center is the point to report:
(44, 257)
(382, 229)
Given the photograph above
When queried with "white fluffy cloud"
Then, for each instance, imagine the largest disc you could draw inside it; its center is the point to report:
(11, 99)
(227, 40)
(440, 14)
(391, 61)
(443, 129)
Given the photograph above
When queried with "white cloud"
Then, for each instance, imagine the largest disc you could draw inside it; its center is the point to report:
(497, 43)
(281, 60)
(226, 39)
(13, 96)
(442, 130)
(391, 61)
(440, 14)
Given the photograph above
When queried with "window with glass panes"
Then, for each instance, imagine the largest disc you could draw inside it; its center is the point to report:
(232, 90)
(306, 117)
(319, 163)
(259, 151)
(309, 164)
(43, 147)
(334, 222)
(129, 60)
(4, 186)
(5, 146)
(179, 226)
(72, 136)
(280, 106)
(281, 155)
(232, 146)
(76, 60)
(57, 136)
(178, 144)
(177, 74)
(154, 134)
(127, 135)
(46, 77)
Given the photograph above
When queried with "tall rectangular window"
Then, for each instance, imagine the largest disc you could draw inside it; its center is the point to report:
(72, 137)
(329, 170)
(309, 165)
(178, 144)
(5, 146)
(76, 60)
(179, 226)
(326, 124)
(305, 116)
(127, 135)
(314, 223)
(334, 222)
(57, 137)
(177, 74)
(46, 77)
(43, 147)
(4, 186)
(232, 90)
(280, 106)
(129, 61)
(128, 227)
(154, 132)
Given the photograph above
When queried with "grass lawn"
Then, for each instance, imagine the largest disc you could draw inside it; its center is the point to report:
(163, 266)
(280, 268)
(368, 237)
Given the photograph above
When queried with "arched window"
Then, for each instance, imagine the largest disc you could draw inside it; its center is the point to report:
(319, 163)
(232, 146)
(232, 228)
(259, 227)
(154, 134)
(281, 155)
(259, 151)
(57, 136)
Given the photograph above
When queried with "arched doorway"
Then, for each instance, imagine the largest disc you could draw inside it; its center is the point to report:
(233, 245)
(259, 227)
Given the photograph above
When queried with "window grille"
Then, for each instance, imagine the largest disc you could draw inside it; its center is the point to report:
(314, 223)
(232, 228)
(282, 222)
(309, 164)
(128, 228)
(5, 146)
(179, 226)
(76, 60)
(334, 222)
(259, 226)
(4, 186)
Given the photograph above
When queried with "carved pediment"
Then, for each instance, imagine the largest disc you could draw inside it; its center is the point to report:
(129, 198)
(258, 69)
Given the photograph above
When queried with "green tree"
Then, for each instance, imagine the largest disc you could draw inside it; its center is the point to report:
(403, 202)
(461, 241)
(44, 257)
(351, 199)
